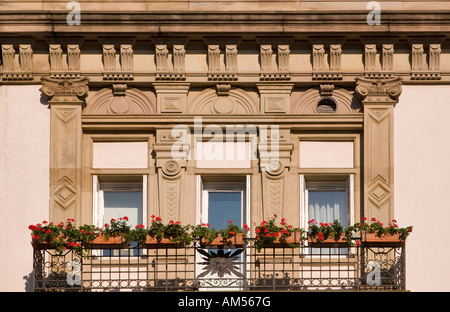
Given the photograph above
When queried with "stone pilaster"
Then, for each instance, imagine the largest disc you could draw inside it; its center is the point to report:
(275, 152)
(171, 151)
(379, 98)
(66, 102)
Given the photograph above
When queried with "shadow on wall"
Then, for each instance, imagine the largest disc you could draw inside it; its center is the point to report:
(28, 282)
(44, 100)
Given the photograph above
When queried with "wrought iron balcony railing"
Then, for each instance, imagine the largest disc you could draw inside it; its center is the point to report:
(193, 268)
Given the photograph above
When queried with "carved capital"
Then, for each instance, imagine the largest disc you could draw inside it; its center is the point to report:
(379, 90)
(65, 90)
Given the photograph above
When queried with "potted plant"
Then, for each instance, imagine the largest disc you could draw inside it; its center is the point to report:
(63, 236)
(161, 235)
(377, 234)
(112, 234)
(230, 236)
(272, 234)
(328, 233)
(46, 235)
(203, 233)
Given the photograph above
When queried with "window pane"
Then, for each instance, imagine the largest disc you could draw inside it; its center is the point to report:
(327, 206)
(223, 207)
(123, 204)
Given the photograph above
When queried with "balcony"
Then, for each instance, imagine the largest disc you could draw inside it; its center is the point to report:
(195, 268)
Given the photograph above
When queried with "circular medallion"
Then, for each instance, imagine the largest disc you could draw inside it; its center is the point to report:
(119, 105)
(223, 106)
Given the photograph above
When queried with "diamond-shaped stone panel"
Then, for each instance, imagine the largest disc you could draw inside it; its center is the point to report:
(379, 193)
(65, 195)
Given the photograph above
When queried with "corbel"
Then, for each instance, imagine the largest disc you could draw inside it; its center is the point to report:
(110, 47)
(166, 70)
(423, 48)
(227, 71)
(64, 67)
(12, 47)
(271, 70)
(321, 69)
(383, 46)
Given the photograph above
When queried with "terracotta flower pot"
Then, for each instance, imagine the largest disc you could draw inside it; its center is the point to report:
(165, 242)
(235, 241)
(42, 245)
(328, 242)
(101, 242)
(293, 240)
(372, 239)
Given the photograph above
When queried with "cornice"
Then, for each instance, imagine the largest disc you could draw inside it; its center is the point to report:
(331, 22)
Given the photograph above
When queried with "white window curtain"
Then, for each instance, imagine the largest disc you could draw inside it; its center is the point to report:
(325, 206)
(119, 199)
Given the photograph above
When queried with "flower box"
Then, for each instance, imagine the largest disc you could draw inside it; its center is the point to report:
(373, 239)
(293, 240)
(44, 244)
(165, 242)
(41, 245)
(102, 242)
(235, 241)
(328, 242)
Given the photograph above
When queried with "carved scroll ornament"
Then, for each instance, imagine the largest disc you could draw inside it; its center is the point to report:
(65, 90)
(386, 90)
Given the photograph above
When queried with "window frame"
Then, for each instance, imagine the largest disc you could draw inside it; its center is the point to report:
(336, 183)
(98, 198)
(203, 187)
(222, 186)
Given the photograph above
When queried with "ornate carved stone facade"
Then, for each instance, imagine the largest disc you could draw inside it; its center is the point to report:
(147, 73)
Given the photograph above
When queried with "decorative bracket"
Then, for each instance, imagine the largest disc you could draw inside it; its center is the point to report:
(25, 70)
(271, 71)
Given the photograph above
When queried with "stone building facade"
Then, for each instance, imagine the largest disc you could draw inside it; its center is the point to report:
(95, 96)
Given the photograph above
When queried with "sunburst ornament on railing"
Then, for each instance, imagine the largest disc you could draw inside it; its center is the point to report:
(221, 263)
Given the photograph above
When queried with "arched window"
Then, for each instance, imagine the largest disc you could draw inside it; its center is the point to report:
(326, 106)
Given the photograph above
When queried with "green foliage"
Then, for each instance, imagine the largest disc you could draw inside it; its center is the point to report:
(269, 232)
(379, 229)
(66, 235)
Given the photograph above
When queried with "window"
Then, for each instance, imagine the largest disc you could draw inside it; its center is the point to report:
(220, 202)
(326, 201)
(119, 196)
